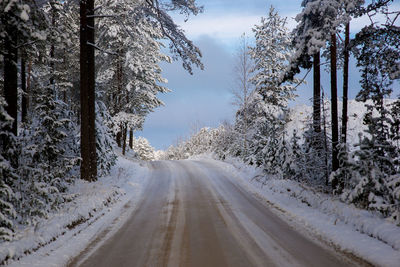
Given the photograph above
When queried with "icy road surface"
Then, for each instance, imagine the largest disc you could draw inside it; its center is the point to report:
(193, 214)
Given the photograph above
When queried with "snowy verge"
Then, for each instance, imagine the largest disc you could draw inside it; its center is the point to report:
(56, 240)
(362, 233)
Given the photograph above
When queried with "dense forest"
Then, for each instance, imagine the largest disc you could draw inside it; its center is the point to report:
(77, 79)
(318, 154)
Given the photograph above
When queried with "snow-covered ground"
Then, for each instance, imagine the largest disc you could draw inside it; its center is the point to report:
(94, 209)
(300, 115)
(100, 208)
(362, 233)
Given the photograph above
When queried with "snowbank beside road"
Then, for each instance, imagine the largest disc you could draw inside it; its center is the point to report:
(360, 232)
(94, 206)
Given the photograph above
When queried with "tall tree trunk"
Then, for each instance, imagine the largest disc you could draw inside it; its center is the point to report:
(24, 109)
(124, 131)
(119, 83)
(52, 48)
(317, 94)
(325, 140)
(87, 91)
(11, 77)
(345, 83)
(65, 90)
(85, 164)
(52, 78)
(119, 136)
(131, 138)
(28, 84)
(334, 109)
(91, 92)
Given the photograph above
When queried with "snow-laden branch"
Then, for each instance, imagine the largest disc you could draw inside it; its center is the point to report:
(102, 50)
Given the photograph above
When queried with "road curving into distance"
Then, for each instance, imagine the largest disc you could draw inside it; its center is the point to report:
(193, 214)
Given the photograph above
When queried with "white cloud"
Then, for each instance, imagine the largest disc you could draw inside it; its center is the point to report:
(225, 28)
(220, 27)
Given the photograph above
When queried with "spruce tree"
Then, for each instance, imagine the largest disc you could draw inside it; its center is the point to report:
(50, 154)
(268, 102)
(8, 175)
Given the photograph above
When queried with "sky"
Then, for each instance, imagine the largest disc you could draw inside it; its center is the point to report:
(204, 98)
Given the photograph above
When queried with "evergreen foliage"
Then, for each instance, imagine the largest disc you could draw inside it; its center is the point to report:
(143, 149)
(8, 175)
(40, 44)
(50, 154)
(267, 112)
(368, 176)
(105, 144)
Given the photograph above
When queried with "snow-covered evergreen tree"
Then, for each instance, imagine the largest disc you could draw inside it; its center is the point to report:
(105, 144)
(295, 165)
(8, 175)
(270, 98)
(372, 168)
(50, 154)
(130, 41)
(143, 148)
(271, 53)
(394, 132)
(316, 153)
(368, 185)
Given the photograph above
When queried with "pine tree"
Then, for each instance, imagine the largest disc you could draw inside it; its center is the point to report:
(87, 91)
(346, 56)
(50, 154)
(143, 148)
(334, 108)
(105, 144)
(8, 175)
(295, 165)
(268, 102)
(394, 132)
(375, 53)
(368, 183)
(370, 171)
(318, 23)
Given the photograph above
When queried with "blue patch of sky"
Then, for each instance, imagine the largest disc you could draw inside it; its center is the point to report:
(204, 98)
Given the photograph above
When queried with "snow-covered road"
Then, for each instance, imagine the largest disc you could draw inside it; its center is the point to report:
(193, 214)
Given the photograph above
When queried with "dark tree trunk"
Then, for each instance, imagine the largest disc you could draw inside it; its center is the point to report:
(91, 92)
(24, 108)
(326, 155)
(124, 131)
(119, 136)
(87, 90)
(334, 109)
(85, 164)
(345, 83)
(317, 94)
(11, 78)
(131, 138)
(52, 79)
(119, 84)
(65, 96)
(28, 85)
(65, 91)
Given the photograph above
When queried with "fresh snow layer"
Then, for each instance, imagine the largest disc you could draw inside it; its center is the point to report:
(362, 233)
(300, 116)
(65, 233)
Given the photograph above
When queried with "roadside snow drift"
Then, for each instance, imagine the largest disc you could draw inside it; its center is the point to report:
(66, 232)
(362, 233)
